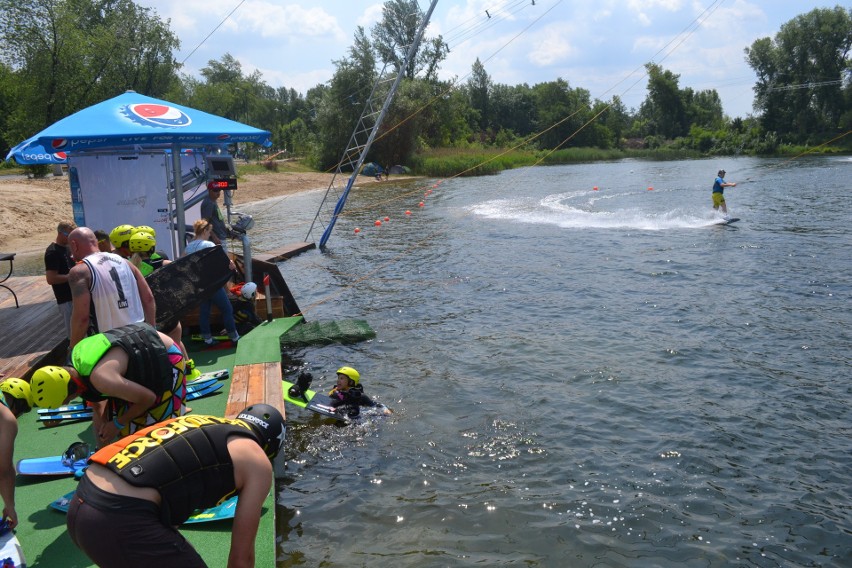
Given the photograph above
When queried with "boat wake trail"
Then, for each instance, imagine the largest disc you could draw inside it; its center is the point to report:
(593, 210)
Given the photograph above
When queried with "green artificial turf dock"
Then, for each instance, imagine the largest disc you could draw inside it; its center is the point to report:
(41, 530)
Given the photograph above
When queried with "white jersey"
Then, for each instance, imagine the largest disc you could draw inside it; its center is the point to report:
(115, 297)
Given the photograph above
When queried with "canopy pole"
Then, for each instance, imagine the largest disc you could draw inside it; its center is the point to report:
(180, 217)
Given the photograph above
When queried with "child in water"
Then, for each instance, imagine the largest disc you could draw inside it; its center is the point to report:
(348, 395)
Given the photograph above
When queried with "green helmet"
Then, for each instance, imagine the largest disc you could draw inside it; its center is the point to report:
(145, 229)
(351, 373)
(142, 242)
(120, 235)
(18, 388)
(49, 386)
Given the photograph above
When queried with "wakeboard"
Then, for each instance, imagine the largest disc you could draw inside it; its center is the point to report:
(312, 400)
(194, 390)
(321, 404)
(727, 221)
(181, 285)
(224, 511)
(69, 463)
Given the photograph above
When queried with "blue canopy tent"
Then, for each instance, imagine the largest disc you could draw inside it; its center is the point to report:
(133, 121)
(29, 152)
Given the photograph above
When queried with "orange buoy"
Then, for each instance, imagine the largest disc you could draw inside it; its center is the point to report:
(408, 212)
(357, 230)
(387, 218)
(595, 188)
(420, 204)
(378, 223)
(650, 188)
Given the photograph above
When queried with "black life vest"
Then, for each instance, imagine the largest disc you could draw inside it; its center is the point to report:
(148, 360)
(186, 459)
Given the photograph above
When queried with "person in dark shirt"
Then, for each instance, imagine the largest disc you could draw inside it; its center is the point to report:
(210, 211)
(57, 265)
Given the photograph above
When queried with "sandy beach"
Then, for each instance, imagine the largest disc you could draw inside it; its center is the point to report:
(33, 207)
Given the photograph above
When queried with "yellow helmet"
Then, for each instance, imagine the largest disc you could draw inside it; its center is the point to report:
(18, 388)
(142, 242)
(49, 386)
(120, 235)
(145, 229)
(351, 373)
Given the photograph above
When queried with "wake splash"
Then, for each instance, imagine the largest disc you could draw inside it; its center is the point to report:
(593, 210)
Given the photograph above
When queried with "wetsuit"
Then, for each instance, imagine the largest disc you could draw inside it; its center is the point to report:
(350, 401)
(187, 461)
(149, 364)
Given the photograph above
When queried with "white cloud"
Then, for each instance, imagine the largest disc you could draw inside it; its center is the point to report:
(552, 45)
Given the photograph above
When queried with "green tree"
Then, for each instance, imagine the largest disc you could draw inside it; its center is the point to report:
(478, 89)
(69, 54)
(801, 73)
(562, 111)
(397, 30)
(664, 107)
(341, 105)
(513, 108)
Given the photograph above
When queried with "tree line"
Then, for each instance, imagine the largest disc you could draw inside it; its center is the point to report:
(61, 56)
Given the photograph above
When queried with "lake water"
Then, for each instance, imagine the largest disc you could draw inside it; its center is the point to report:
(580, 377)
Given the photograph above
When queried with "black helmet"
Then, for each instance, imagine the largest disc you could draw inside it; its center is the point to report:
(268, 424)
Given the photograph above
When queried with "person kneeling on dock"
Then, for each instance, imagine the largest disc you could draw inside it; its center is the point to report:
(133, 374)
(135, 491)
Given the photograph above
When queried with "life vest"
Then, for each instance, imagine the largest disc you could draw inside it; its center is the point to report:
(148, 360)
(186, 459)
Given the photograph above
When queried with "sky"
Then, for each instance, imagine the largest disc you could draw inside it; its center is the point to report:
(598, 45)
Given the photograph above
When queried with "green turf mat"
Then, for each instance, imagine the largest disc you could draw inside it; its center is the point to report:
(261, 345)
(327, 332)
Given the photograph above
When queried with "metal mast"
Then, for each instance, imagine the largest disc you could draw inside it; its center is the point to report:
(360, 142)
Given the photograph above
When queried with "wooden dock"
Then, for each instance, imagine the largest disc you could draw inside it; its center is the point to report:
(283, 253)
(32, 334)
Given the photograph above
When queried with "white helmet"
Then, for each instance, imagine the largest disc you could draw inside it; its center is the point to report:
(249, 290)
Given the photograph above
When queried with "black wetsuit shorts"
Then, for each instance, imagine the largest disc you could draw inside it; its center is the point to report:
(125, 532)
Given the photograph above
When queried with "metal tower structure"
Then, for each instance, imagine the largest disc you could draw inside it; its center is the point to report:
(361, 140)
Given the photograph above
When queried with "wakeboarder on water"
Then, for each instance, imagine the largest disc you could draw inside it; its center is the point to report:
(719, 186)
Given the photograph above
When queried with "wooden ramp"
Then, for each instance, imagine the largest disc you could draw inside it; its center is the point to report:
(33, 334)
(283, 253)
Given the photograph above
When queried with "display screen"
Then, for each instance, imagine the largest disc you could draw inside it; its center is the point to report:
(230, 183)
(220, 166)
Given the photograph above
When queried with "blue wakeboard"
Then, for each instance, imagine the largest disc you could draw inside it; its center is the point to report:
(81, 412)
(51, 465)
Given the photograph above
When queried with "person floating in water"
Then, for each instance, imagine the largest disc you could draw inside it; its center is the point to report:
(348, 396)
(719, 192)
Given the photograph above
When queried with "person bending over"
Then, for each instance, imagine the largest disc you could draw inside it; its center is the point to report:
(137, 490)
(135, 369)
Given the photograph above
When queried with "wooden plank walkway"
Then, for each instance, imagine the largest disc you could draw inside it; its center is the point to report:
(32, 334)
(283, 253)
